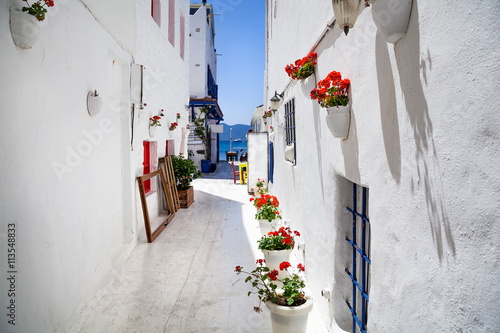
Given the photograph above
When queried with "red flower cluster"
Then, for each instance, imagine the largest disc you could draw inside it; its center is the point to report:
(332, 91)
(265, 200)
(178, 116)
(173, 126)
(267, 114)
(37, 9)
(261, 261)
(302, 68)
(155, 121)
(301, 267)
(284, 265)
(238, 269)
(273, 275)
(286, 236)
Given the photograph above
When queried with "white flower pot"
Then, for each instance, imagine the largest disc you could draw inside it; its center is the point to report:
(290, 152)
(94, 104)
(308, 84)
(338, 120)
(152, 131)
(266, 226)
(24, 28)
(289, 319)
(392, 18)
(273, 261)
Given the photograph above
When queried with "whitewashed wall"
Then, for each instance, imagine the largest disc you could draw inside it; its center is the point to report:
(68, 179)
(198, 61)
(423, 139)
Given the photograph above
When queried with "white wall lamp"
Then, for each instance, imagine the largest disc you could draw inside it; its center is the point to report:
(346, 12)
(392, 18)
(275, 101)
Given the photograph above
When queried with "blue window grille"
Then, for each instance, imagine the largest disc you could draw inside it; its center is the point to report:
(290, 137)
(360, 260)
(271, 162)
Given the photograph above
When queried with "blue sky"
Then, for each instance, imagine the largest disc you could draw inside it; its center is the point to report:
(240, 37)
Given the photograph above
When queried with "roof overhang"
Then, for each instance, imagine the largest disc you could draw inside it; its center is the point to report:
(214, 111)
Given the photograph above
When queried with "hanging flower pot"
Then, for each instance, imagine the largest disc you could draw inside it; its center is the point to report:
(289, 319)
(308, 84)
(24, 28)
(392, 21)
(338, 120)
(94, 103)
(152, 131)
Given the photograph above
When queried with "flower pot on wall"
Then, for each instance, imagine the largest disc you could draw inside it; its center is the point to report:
(392, 18)
(94, 103)
(152, 131)
(24, 28)
(338, 120)
(266, 226)
(289, 319)
(308, 84)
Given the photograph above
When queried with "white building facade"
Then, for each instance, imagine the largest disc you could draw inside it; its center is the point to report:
(203, 80)
(421, 159)
(69, 190)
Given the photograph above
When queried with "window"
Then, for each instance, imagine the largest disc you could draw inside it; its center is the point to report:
(360, 243)
(156, 11)
(171, 22)
(182, 32)
(291, 144)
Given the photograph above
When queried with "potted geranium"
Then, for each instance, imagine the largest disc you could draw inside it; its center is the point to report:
(333, 94)
(154, 122)
(302, 68)
(260, 185)
(268, 213)
(277, 247)
(24, 26)
(173, 126)
(289, 306)
(184, 171)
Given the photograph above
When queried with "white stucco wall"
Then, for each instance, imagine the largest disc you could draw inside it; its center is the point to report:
(68, 179)
(198, 61)
(423, 139)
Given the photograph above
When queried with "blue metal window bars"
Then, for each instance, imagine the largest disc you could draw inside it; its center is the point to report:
(358, 287)
(290, 137)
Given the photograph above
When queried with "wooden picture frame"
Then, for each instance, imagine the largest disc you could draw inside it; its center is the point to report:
(151, 236)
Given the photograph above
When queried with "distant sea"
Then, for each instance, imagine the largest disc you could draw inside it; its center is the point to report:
(236, 146)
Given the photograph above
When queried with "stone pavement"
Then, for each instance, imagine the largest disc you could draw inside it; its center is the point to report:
(185, 281)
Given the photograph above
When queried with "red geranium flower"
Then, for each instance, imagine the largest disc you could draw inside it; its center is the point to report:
(273, 275)
(261, 261)
(284, 265)
(301, 267)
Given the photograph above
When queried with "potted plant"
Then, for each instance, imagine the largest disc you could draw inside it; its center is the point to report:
(260, 185)
(173, 126)
(154, 122)
(184, 171)
(203, 132)
(302, 68)
(332, 94)
(268, 213)
(289, 306)
(24, 26)
(277, 247)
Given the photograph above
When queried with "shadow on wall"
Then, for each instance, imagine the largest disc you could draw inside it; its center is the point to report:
(410, 63)
(350, 151)
(388, 108)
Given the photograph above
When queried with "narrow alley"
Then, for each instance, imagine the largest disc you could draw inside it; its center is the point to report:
(185, 281)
